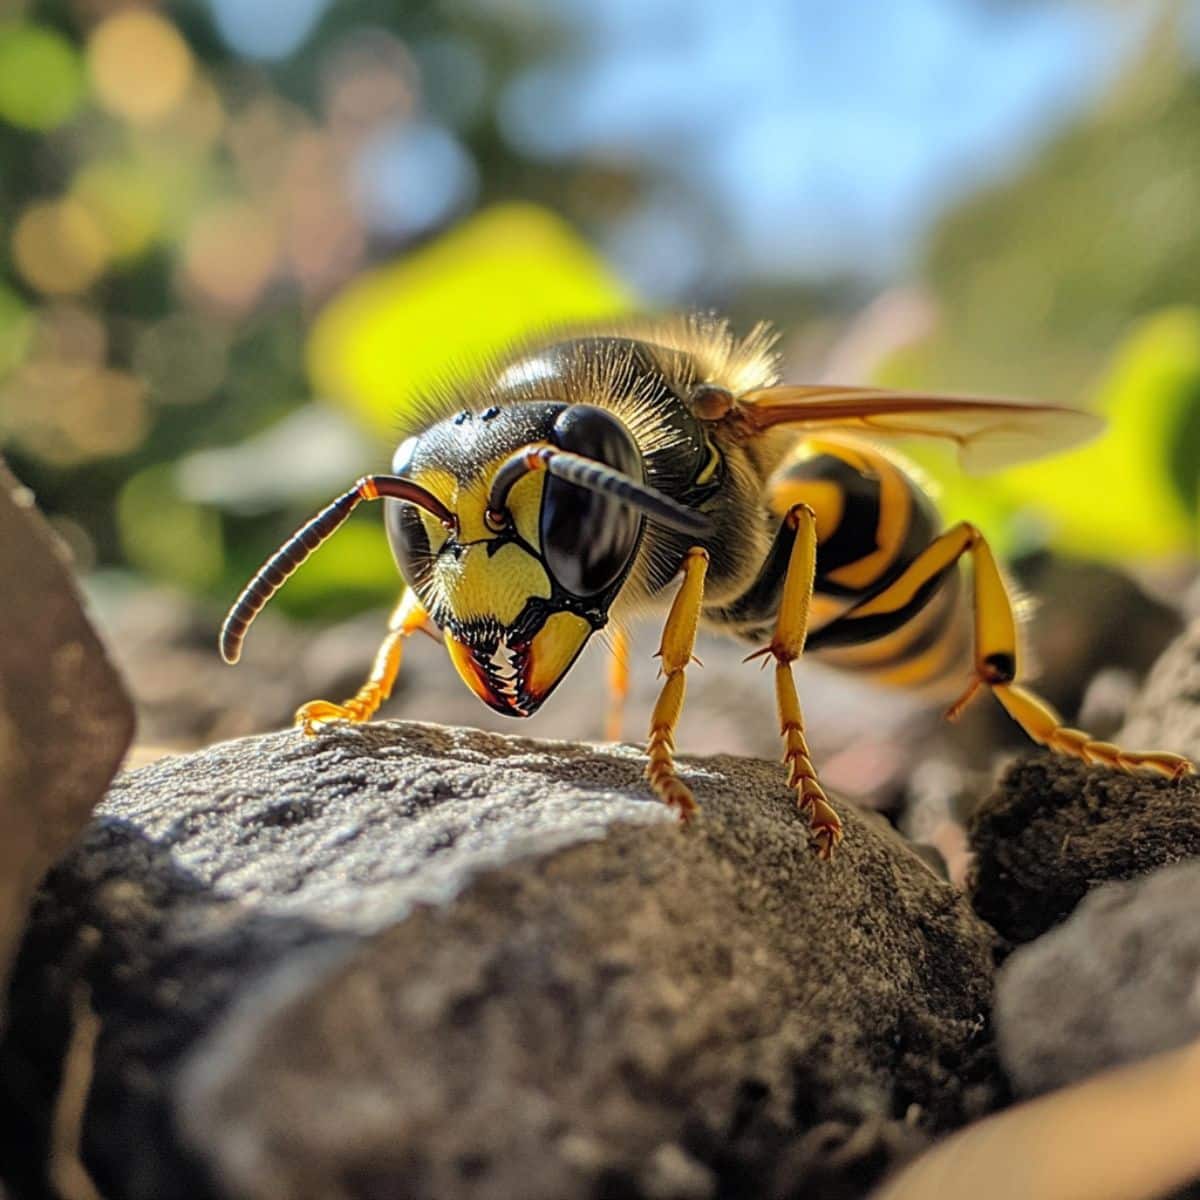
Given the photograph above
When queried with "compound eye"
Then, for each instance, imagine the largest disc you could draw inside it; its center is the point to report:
(405, 529)
(403, 457)
(589, 539)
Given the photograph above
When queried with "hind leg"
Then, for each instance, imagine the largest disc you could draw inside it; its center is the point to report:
(995, 653)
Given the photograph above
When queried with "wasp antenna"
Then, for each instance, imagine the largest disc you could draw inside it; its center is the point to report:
(272, 575)
(596, 477)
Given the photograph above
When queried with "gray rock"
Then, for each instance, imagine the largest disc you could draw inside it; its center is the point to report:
(1118, 981)
(1166, 713)
(65, 721)
(1055, 828)
(411, 961)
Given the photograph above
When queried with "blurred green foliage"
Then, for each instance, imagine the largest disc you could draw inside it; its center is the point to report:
(1132, 493)
(397, 332)
(41, 77)
(1040, 276)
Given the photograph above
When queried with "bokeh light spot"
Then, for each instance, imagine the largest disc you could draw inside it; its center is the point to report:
(323, 240)
(166, 536)
(183, 359)
(230, 255)
(41, 78)
(70, 333)
(409, 177)
(200, 119)
(266, 28)
(59, 247)
(16, 330)
(140, 65)
(368, 79)
(125, 202)
(67, 413)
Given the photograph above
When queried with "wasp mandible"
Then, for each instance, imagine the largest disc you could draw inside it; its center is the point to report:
(578, 478)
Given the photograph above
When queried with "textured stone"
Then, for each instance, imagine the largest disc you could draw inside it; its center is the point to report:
(414, 961)
(1118, 981)
(1056, 828)
(1166, 712)
(65, 721)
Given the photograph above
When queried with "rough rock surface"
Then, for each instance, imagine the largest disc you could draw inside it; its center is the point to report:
(65, 721)
(292, 1006)
(1118, 981)
(1167, 710)
(1054, 829)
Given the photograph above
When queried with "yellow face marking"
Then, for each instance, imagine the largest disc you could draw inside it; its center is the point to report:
(554, 648)
(469, 503)
(477, 585)
(445, 487)
(525, 504)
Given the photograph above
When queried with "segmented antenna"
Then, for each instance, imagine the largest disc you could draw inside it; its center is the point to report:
(272, 575)
(595, 477)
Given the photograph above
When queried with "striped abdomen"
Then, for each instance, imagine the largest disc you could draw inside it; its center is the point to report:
(873, 519)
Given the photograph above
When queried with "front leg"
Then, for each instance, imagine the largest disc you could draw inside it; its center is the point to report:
(675, 651)
(408, 617)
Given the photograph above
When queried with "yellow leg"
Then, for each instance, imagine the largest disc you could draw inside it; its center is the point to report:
(996, 665)
(675, 651)
(618, 686)
(408, 617)
(1044, 725)
(791, 630)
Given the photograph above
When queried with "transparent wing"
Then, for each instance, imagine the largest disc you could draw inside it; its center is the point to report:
(989, 433)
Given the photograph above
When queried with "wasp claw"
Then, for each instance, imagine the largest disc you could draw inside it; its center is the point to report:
(311, 716)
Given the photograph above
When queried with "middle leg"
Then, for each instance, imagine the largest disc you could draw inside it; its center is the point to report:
(791, 630)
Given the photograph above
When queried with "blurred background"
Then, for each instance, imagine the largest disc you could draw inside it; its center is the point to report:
(238, 236)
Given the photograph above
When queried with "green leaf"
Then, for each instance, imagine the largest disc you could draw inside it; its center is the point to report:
(395, 332)
(1129, 495)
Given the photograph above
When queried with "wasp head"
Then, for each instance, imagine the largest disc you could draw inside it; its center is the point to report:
(516, 528)
(549, 504)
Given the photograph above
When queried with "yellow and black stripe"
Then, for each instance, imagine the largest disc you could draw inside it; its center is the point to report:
(873, 520)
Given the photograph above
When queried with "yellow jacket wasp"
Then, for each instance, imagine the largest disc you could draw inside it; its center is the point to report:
(577, 479)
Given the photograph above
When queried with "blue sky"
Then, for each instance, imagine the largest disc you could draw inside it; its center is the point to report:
(828, 134)
(819, 136)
